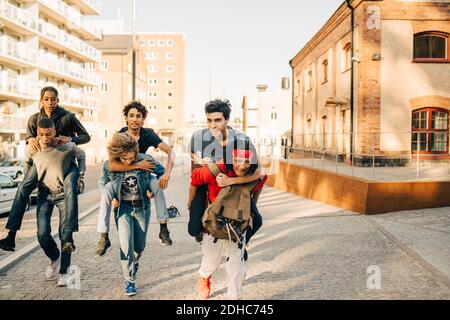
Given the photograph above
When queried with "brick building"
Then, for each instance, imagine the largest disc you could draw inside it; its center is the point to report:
(401, 83)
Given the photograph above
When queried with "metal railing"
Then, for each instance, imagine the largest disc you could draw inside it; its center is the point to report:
(17, 50)
(72, 15)
(52, 32)
(18, 87)
(17, 15)
(379, 156)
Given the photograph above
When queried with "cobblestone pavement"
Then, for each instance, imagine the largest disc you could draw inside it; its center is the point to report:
(305, 250)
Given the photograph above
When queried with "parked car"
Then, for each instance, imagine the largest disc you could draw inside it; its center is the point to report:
(8, 188)
(12, 168)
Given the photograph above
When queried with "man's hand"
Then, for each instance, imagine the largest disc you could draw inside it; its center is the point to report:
(63, 140)
(206, 161)
(164, 181)
(223, 180)
(146, 165)
(34, 144)
(150, 195)
(115, 203)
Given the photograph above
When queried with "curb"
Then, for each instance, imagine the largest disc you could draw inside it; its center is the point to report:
(21, 254)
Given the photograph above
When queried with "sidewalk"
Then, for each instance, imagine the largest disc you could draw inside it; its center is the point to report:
(305, 250)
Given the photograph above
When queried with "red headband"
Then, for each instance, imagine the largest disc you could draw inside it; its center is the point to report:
(242, 153)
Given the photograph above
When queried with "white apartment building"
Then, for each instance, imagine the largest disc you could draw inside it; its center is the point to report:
(268, 117)
(44, 42)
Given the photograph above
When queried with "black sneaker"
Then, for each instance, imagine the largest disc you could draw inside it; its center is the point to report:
(102, 246)
(68, 247)
(8, 244)
(199, 238)
(164, 237)
(245, 255)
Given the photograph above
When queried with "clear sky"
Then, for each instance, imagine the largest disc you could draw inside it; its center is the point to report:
(243, 42)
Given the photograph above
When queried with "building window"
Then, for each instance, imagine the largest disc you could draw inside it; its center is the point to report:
(430, 131)
(169, 95)
(169, 108)
(151, 82)
(152, 68)
(169, 69)
(169, 120)
(151, 55)
(431, 47)
(142, 42)
(170, 43)
(152, 108)
(309, 79)
(152, 95)
(161, 43)
(151, 43)
(169, 82)
(325, 71)
(274, 116)
(347, 63)
(104, 87)
(169, 55)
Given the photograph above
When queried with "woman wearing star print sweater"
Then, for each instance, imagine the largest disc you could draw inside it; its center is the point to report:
(131, 195)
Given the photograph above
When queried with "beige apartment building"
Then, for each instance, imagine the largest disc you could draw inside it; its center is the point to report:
(160, 74)
(44, 42)
(401, 86)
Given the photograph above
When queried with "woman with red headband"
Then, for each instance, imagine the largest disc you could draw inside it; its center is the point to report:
(214, 249)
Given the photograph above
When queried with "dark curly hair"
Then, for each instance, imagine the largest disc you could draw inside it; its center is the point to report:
(218, 105)
(135, 105)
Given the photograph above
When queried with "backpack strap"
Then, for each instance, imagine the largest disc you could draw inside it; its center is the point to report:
(214, 169)
(252, 184)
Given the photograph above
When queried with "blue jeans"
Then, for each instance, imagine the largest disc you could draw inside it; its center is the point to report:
(104, 212)
(29, 183)
(45, 204)
(132, 226)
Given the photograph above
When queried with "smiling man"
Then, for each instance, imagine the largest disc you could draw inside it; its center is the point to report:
(213, 144)
(68, 129)
(135, 114)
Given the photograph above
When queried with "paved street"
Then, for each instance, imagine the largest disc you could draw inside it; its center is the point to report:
(305, 250)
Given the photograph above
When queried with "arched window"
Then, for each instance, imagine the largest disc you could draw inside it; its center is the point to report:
(431, 47)
(325, 71)
(430, 131)
(347, 63)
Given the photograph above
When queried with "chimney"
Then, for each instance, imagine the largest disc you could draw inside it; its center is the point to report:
(261, 87)
(285, 83)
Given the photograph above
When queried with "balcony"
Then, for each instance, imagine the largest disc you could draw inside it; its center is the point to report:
(17, 89)
(68, 70)
(75, 98)
(17, 53)
(18, 19)
(53, 36)
(13, 123)
(73, 19)
(88, 7)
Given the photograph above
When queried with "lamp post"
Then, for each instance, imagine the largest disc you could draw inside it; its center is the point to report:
(133, 62)
(352, 9)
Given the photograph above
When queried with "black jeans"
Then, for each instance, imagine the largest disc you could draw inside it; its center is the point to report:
(30, 182)
(198, 207)
(45, 204)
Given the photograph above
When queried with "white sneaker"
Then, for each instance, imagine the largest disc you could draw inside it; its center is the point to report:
(63, 278)
(52, 269)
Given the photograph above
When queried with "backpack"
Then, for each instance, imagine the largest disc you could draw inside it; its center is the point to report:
(228, 217)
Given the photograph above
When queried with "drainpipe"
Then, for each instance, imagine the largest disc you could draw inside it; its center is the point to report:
(352, 75)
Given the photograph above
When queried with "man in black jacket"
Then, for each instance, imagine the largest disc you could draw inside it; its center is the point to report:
(68, 128)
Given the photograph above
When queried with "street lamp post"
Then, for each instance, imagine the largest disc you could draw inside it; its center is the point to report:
(133, 62)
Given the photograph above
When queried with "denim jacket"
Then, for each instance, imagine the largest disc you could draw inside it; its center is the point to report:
(143, 179)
